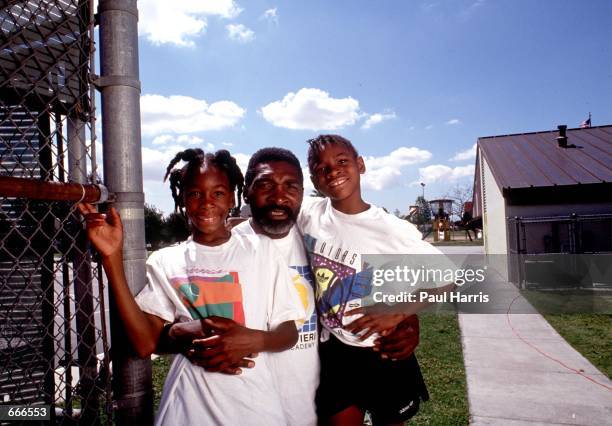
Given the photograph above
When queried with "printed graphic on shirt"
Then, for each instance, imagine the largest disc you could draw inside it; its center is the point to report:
(206, 296)
(337, 280)
(308, 332)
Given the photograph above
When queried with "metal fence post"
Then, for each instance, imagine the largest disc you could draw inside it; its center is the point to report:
(83, 286)
(120, 87)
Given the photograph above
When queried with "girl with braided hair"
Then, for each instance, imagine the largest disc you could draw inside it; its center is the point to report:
(238, 286)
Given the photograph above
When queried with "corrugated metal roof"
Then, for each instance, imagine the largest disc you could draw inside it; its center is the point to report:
(535, 159)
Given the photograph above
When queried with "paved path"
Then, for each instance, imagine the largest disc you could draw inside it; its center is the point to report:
(520, 371)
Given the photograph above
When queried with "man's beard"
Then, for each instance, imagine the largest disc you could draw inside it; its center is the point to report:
(271, 226)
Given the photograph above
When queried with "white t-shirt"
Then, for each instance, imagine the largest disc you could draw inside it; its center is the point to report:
(335, 243)
(244, 279)
(296, 370)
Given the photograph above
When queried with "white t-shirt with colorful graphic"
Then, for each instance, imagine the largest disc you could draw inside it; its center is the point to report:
(296, 370)
(335, 243)
(244, 279)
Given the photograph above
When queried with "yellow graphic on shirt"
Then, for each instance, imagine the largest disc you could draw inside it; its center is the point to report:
(302, 291)
(323, 276)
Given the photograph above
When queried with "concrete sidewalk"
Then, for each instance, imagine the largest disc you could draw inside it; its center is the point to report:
(520, 371)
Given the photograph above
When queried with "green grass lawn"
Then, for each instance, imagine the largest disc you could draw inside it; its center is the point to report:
(583, 318)
(160, 367)
(589, 334)
(441, 360)
(570, 301)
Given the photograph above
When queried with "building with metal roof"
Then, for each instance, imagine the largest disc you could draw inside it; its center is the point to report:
(545, 192)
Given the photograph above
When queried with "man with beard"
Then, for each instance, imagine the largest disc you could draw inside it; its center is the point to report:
(274, 190)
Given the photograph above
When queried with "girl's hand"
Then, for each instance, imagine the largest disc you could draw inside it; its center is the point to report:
(105, 231)
(376, 319)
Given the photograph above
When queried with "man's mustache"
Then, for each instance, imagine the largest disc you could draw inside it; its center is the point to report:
(287, 210)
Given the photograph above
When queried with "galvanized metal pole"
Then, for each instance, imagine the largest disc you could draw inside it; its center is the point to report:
(77, 152)
(120, 87)
(83, 288)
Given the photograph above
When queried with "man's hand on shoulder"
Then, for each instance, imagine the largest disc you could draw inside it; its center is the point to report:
(401, 343)
(189, 338)
(227, 347)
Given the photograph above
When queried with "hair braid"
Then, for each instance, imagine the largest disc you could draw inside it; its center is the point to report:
(194, 158)
(224, 160)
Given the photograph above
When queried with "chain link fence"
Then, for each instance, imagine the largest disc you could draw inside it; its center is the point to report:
(536, 243)
(53, 333)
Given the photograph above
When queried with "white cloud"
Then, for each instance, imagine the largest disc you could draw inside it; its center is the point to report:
(163, 139)
(227, 144)
(312, 109)
(476, 4)
(242, 160)
(270, 15)
(440, 172)
(466, 13)
(182, 139)
(178, 22)
(429, 127)
(468, 154)
(184, 114)
(377, 118)
(383, 172)
(154, 161)
(240, 33)
(453, 121)
(427, 7)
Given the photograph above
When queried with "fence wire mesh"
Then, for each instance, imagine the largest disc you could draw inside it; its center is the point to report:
(53, 332)
(532, 238)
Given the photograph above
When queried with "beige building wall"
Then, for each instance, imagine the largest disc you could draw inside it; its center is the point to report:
(494, 212)
(493, 220)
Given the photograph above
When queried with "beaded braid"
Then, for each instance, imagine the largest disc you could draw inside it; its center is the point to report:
(318, 144)
(224, 160)
(195, 158)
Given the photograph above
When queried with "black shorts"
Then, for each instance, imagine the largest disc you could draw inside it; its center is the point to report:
(390, 390)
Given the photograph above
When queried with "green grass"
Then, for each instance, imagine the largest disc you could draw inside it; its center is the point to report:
(570, 301)
(160, 367)
(582, 318)
(589, 334)
(441, 359)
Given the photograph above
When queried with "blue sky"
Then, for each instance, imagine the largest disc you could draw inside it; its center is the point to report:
(412, 83)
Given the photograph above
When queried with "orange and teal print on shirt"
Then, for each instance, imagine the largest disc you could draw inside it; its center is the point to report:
(205, 296)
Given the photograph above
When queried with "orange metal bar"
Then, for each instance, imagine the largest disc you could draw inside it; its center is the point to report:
(51, 191)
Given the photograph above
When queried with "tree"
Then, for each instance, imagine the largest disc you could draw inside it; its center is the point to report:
(176, 228)
(422, 215)
(460, 194)
(154, 226)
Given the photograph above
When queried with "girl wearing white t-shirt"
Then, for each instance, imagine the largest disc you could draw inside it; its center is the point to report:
(238, 286)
